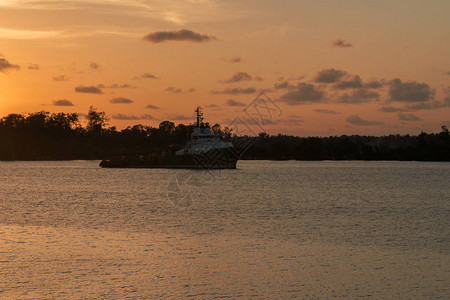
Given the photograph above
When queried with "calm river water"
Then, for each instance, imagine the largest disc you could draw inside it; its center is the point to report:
(266, 230)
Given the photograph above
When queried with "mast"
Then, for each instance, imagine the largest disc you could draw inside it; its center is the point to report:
(199, 116)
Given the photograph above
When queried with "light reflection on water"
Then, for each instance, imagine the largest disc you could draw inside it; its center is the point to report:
(267, 229)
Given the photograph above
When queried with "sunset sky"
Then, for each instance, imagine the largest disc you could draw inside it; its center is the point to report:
(331, 67)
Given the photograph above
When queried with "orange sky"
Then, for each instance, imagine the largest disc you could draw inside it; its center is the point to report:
(328, 67)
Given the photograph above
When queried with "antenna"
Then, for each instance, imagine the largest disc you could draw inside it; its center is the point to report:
(199, 116)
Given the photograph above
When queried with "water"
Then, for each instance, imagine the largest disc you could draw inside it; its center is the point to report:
(266, 230)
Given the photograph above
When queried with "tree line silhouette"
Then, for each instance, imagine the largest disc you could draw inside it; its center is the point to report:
(61, 136)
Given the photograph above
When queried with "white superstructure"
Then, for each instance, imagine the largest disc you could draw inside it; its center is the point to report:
(202, 139)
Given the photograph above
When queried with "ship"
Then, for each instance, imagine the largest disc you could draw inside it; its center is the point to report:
(204, 150)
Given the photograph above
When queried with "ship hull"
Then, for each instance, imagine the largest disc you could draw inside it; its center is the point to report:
(214, 159)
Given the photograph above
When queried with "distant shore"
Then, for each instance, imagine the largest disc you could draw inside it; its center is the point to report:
(60, 136)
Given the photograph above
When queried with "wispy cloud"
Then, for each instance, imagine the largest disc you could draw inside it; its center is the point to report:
(180, 35)
(232, 102)
(131, 117)
(121, 100)
(237, 77)
(356, 120)
(408, 117)
(63, 102)
(235, 91)
(326, 111)
(341, 44)
(34, 67)
(151, 106)
(145, 76)
(88, 89)
(5, 65)
(19, 34)
(60, 78)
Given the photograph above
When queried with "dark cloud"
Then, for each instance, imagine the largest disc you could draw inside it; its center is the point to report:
(150, 106)
(232, 102)
(180, 35)
(94, 66)
(174, 90)
(115, 86)
(88, 89)
(392, 109)
(131, 117)
(329, 75)
(359, 96)
(408, 117)
(341, 44)
(433, 104)
(409, 92)
(145, 76)
(62, 102)
(236, 91)
(238, 76)
(447, 73)
(303, 93)
(283, 85)
(6, 65)
(180, 117)
(60, 78)
(326, 111)
(120, 100)
(356, 120)
(235, 60)
(354, 83)
(34, 67)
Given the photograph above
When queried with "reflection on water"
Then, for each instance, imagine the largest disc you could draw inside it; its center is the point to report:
(265, 230)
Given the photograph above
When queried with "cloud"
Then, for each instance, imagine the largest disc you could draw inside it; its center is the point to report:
(283, 85)
(409, 92)
(232, 102)
(33, 67)
(236, 91)
(356, 120)
(120, 100)
(408, 117)
(329, 75)
(94, 66)
(238, 76)
(179, 117)
(354, 83)
(238, 60)
(341, 44)
(17, 34)
(303, 93)
(389, 109)
(359, 96)
(145, 76)
(60, 78)
(180, 35)
(326, 111)
(432, 104)
(88, 89)
(150, 106)
(62, 102)
(374, 84)
(131, 117)
(174, 90)
(115, 86)
(6, 65)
